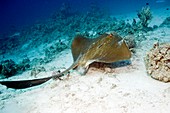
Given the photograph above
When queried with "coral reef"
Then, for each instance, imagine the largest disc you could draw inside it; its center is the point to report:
(64, 23)
(24, 65)
(54, 49)
(145, 17)
(9, 43)
(8, 68)
(158, 62)
(166, 22)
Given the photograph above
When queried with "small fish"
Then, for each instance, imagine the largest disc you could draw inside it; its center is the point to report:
(147, 3)
(107, 48)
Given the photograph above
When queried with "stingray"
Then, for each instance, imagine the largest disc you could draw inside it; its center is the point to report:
(107, 48)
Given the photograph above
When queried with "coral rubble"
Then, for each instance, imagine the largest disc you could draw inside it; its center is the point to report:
(158, 62)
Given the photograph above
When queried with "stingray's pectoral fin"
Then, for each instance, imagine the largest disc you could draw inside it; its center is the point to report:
(24, 83)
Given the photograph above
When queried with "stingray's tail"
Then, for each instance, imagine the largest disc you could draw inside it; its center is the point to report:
(21, 84)
(24, 83)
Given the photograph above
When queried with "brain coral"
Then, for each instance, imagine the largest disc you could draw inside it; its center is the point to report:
(158, 62)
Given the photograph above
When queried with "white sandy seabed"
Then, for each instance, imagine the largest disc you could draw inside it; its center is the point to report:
(127, 90)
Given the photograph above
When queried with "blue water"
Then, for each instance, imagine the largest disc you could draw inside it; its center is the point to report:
(15, 14)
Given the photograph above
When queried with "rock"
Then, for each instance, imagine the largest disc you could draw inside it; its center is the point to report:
(24, 65)
(36, 70)
(155, 26)
(166, 22)
(36, 61)
(8, 68)
(158, 62)
(50, 53)
(130, 40)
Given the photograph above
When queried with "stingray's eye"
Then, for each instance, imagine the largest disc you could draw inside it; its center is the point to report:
(110, 35)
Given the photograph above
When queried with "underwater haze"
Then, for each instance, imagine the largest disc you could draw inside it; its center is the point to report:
(18, 13)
